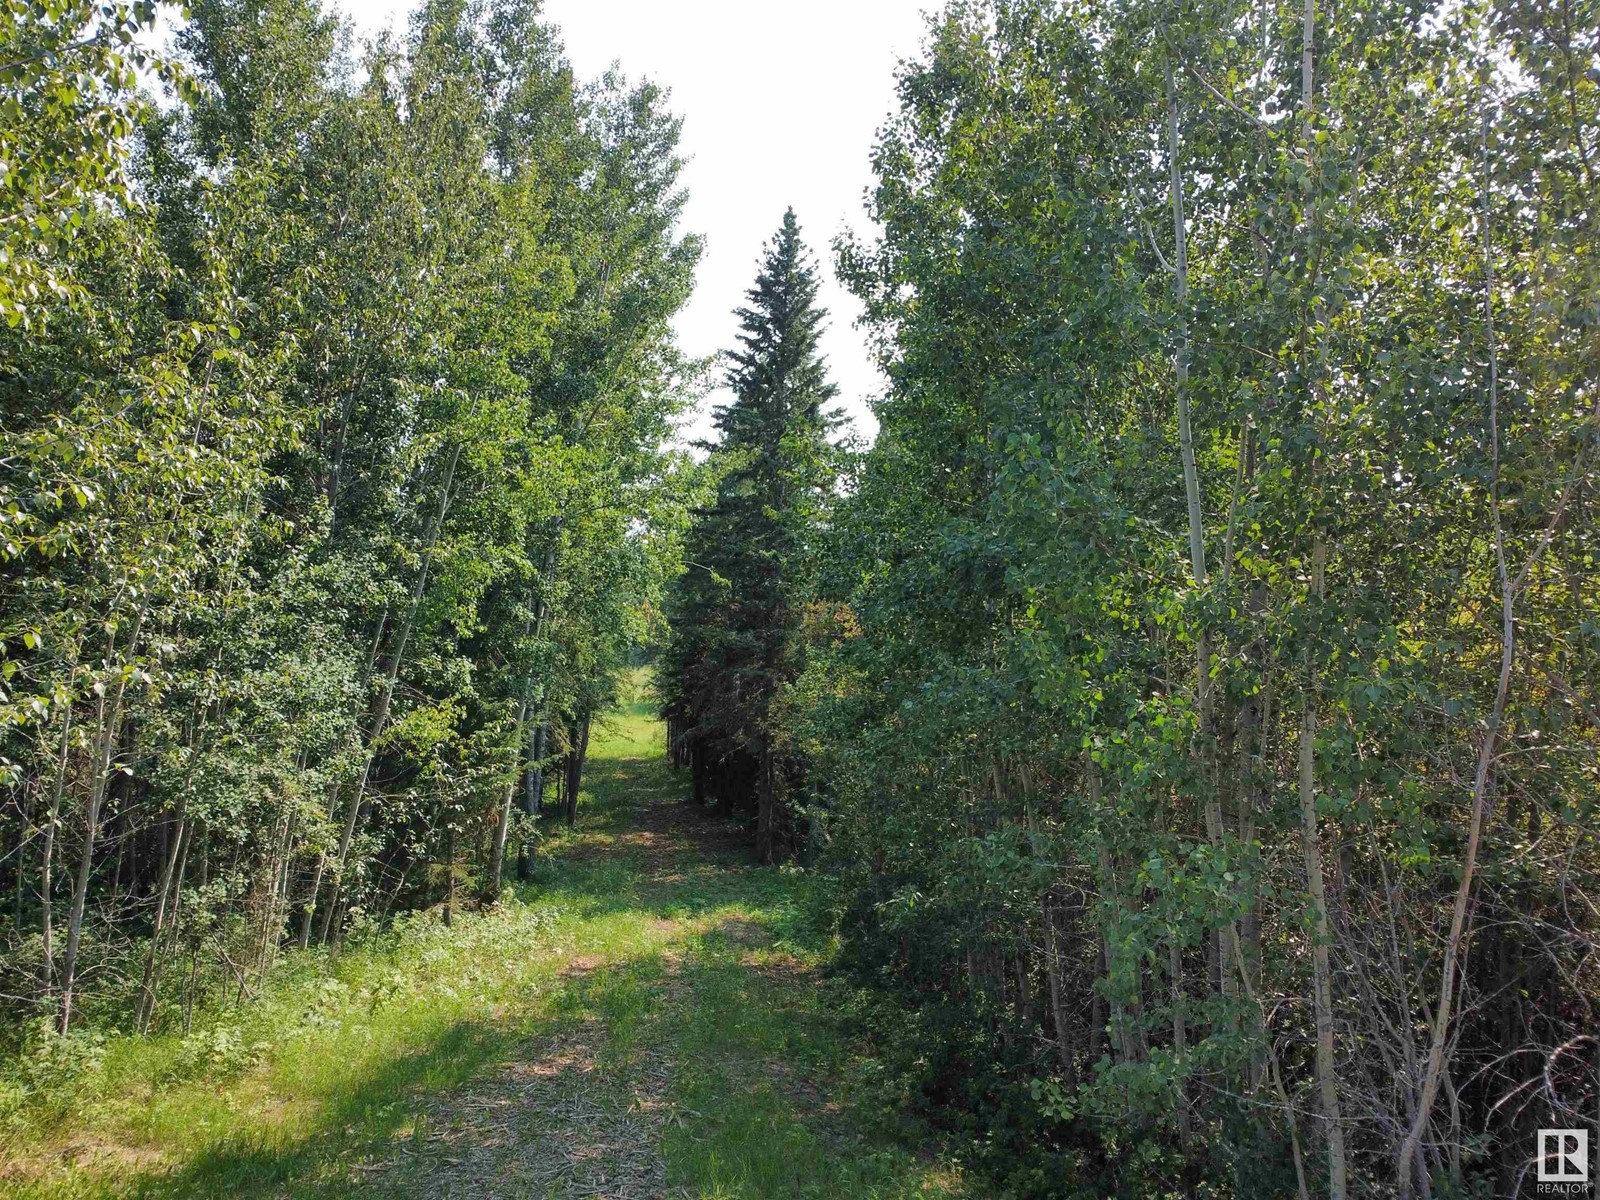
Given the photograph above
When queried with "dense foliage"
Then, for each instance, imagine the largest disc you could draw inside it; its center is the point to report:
(1214, 751)
(1194, 695)
(336, 389)
(740, 612)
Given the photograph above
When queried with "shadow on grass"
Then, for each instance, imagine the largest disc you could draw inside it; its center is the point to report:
(360, 1142)
(368, 1115)
(697, 1000)
(707, 866)
(711, 960)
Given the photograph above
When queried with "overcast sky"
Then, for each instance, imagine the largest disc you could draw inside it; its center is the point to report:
(780, 103)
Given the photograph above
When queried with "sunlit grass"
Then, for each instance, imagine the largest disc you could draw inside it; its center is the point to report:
(712, 963)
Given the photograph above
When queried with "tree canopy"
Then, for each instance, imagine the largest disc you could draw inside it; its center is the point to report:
(1211, 751)
(337, 487)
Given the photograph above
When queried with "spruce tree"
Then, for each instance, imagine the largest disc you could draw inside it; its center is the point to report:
(738, 608)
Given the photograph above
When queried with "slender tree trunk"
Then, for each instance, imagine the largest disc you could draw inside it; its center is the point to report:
(569, 766)
(273, 914)
(1455, 942)
(146, 1004)
(311, 899)
(1180, 1033)
(380, 717)
(1052, 948)
(1180, 289)
(533, 722)
(1322, 934)
(1097, 1014)
(1251, 798)
(28, 806)
(449, 871)
(1251, 744)
(347, 834)
(766, 807)
(1204, 690)
(540, 750)
(497, 855)
(175, 839)
(1311, 845)
(1058, 1003)
(191, 988)
(533, 794)
(503, 826)
(107, 728)
(1122, 1036)
(47, 854)
(576, 754)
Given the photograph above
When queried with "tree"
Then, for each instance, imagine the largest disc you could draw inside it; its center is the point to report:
(336, 399)
(1191, 603)
(739, 609)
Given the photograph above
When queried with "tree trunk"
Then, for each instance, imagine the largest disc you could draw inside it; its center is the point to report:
(1321, 970)
(1455, 942)
(1058, 1003)
(108, 726)
(503, 826)
(47, 854)
(1123, 1044)
(449, 872)
(1204, 691)
(533, 710)
(1180, 289)
(311, 899)
(1180, 1034)
(766, 808)
(27, 814)
(145, 1008)
(575, 758)
(272, 925)
(533, 794)
(1052, 950)
(1311, 846)
(380, 717)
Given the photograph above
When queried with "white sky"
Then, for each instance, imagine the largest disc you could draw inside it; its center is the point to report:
(780, 104)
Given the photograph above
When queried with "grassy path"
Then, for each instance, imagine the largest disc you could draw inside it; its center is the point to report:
(649, 1020)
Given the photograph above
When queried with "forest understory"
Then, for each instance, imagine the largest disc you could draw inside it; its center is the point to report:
(647, 1017)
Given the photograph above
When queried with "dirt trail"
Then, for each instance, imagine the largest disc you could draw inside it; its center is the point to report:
(564, 1123)
(679, 1040)
(580, 1112)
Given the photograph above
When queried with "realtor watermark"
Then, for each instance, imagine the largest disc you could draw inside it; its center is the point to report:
(1563, 1163)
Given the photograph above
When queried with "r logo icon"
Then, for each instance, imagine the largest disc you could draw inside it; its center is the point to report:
(1563, 1156)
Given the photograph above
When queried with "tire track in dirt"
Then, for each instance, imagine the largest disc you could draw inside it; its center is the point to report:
(575, 1116)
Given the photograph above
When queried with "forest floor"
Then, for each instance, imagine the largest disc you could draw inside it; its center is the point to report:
(649, 1020)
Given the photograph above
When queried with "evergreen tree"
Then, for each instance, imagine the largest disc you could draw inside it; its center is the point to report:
(738, 609)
